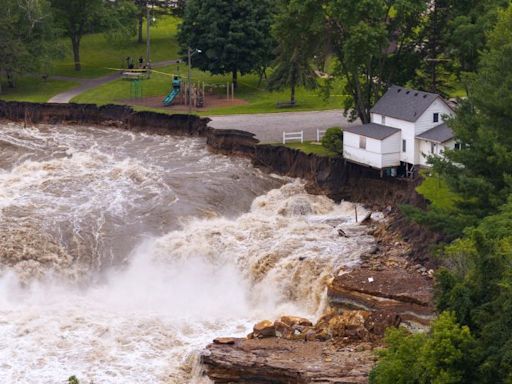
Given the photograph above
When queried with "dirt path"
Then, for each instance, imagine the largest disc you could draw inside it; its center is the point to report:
(86, 84)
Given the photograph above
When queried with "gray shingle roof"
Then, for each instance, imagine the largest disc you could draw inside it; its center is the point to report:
(438, 134)
(404, 104)
(373, 131)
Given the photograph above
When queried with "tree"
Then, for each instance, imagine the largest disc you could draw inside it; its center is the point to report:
(26, 37)
(481, 172)
(78, 17)
(374, 42)
(160, 7)
(436, 65)
(479, 291)
(333, 140)
(444, 356)
(298, 32)
(468, 27)
(232, 34)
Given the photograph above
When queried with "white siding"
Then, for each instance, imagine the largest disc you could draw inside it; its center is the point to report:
(426, 121)
(378, 153)
(390, 149)
(425, 148)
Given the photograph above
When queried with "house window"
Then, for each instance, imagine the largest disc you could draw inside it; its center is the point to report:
(436, 117)
(432, 148)
(383, 120)
(362, 142)
(457, 146)
(404, 145)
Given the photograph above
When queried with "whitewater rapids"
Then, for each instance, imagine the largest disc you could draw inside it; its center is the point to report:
(124, 253)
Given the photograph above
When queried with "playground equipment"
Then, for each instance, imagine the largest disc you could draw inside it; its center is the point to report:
(135, 76)
(174, 92)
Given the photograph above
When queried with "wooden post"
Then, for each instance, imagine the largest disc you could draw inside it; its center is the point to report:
(355, 210)
(227, 89)
(232, 91)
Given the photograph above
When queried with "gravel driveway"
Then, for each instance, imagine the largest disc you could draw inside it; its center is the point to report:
(269, 127)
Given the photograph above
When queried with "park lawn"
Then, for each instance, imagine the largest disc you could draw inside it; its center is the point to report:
(98, 53)
(258, 98)
(35, 89)
(435, 189)
(311, 147)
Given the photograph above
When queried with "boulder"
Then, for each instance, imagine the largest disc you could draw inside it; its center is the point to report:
(224, 340)
(283, 330)
(264, 329)
(350, 324)
(293, 320)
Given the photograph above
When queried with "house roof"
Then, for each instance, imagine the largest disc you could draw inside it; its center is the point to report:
(373, 131)
(404, 104)
(438, 134)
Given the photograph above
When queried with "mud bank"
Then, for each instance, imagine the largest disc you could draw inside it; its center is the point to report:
(108, 115)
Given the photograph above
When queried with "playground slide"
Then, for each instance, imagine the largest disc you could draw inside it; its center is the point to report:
(171, 96)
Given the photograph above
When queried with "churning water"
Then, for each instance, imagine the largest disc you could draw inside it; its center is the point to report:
(123, 253)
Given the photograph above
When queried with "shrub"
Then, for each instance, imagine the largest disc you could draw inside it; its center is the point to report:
(73, 380)
(333, 140)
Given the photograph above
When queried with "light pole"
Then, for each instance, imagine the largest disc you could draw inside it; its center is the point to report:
(190, 54)
(148, 35)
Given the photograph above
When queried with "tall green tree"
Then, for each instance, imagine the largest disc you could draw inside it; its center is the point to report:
(298, 31)
(27, 37)
(481, 172)
(469, 24)
(77, 18)
(374, 42)
(232, 34)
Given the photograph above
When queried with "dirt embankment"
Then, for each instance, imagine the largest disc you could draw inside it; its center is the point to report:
(109, 115)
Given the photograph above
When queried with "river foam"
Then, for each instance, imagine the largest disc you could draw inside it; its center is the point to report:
(210, 272)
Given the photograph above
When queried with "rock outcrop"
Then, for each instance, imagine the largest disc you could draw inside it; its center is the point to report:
(337, 349)
(408, 295)
(280, 361)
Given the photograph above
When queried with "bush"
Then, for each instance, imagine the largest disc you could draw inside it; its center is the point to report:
(333, 140)
(73, 380)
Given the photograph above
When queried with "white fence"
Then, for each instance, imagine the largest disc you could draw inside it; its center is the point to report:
(319, 134)
(293, 136)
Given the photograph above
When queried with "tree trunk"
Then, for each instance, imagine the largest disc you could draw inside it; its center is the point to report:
(235, 78)
(11, 82)
(141, 24)
(75, 41)
(292, 93)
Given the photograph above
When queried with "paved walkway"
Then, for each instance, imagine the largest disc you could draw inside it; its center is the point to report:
(269, 127)
(86, 84)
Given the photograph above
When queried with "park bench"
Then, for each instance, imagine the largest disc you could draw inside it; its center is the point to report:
(285, 104)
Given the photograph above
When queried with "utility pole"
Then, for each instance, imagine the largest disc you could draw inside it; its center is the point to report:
(189, 81)
(190, 54)
(148, 37)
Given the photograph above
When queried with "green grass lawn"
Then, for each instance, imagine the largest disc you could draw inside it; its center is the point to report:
(435, 189)
(258, 98)
(311, 147)
(35, 89)
(99, 53)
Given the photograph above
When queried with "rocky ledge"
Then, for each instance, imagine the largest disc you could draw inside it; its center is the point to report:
(337, 349)
(281, 361)
(395, 290)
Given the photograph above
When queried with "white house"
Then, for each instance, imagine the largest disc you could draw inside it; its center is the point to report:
(407, 126)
